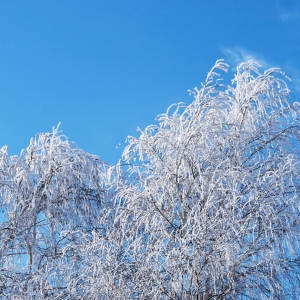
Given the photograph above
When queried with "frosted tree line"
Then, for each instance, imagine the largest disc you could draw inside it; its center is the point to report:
(202, 205)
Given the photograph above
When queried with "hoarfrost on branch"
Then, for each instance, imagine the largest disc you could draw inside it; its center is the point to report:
(202, 205)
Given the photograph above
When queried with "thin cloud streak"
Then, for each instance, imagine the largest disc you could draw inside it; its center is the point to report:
(287, 16)
(288, 10)
(237, 55)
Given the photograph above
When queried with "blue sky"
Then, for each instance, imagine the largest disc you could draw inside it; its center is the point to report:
(104, 68)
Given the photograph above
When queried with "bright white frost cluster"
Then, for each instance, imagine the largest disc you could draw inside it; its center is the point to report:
(203, 205)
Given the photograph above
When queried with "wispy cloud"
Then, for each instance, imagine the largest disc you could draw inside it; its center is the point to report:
(289, 10)
(286, 16)
(236, 55)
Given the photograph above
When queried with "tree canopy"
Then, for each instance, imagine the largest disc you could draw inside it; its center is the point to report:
(202, 205)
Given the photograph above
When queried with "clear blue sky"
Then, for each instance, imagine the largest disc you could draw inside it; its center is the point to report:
(104, 68)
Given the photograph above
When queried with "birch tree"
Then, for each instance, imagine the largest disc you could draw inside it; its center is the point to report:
(52, 196)
(202, 205)
(211, 197)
